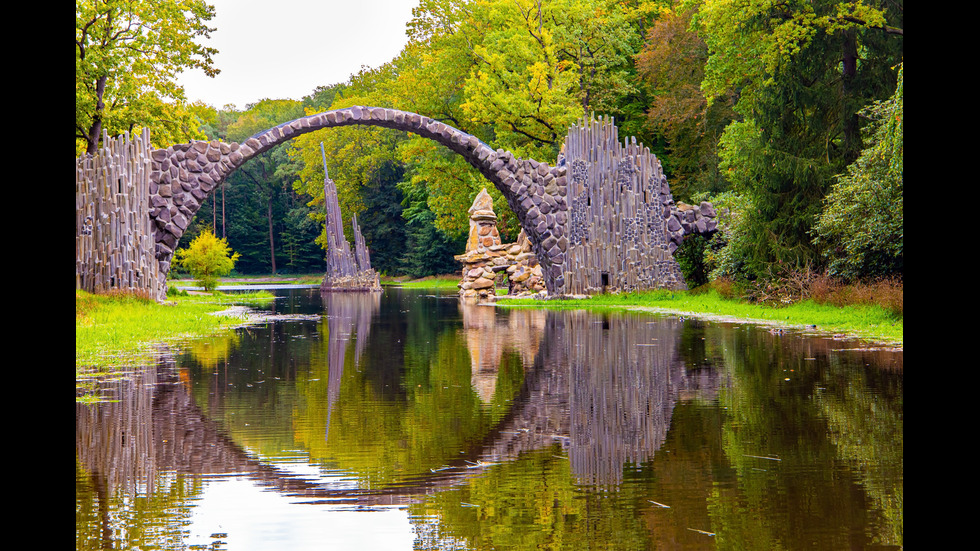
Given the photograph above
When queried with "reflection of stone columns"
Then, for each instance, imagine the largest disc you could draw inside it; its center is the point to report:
(622, 382)
(349, 317)
(623, 388)
(153, 427)
(114, 440)
(487, 337)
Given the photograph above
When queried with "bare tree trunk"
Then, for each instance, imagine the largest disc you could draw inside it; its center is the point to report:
(95, 131)
(272, 246)
(852, 125)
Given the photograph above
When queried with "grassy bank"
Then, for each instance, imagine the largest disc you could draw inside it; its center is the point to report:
(120, 330)
(871, 322)
(430, 282)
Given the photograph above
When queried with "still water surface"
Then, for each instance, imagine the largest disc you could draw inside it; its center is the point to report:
(407, 420)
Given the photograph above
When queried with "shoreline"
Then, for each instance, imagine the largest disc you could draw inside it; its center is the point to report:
(777, 326)
(866, 335)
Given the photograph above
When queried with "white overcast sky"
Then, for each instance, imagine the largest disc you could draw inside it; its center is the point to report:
(284, 49)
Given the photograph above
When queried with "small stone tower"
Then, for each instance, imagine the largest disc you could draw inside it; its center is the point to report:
(486, 258)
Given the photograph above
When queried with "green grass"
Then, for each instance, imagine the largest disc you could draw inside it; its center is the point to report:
(119, 331)
(870, 322)
(450, 281)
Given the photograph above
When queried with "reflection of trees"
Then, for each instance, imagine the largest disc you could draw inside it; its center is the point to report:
(865, 423)
(748, 461)
(599, 396)
(397, 436)
(528, 503)
(580, 401)
(213, 350)
(784, 391)
(114, 519)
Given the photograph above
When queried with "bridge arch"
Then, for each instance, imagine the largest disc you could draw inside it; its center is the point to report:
(182, 176)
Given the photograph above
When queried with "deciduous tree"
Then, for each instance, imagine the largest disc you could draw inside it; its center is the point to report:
(672, 63)
(128, 54)
(207, 258)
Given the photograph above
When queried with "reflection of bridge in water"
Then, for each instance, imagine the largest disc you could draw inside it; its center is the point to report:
(603, 387)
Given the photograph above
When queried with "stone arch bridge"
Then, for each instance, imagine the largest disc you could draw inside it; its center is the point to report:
(183, 175)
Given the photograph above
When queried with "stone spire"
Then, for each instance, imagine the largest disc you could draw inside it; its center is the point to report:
(346, 271)
(483, 224)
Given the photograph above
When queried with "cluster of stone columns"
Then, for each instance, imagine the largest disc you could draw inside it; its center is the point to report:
(687, 220)
(346, 270)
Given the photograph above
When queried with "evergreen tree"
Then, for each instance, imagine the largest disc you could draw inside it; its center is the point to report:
(428, 251)
(801, 72)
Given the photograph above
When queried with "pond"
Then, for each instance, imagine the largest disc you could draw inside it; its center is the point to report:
(409, 420)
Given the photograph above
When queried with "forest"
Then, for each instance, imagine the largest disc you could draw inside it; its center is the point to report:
(787, 115)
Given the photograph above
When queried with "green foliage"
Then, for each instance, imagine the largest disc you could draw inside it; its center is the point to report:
(724, 255)
(353, 154)
(207, 258)
(128, 55)
(691, 258)
(263, 208)
(801, 72)
(861, 226)
(381, 222)
(256, 202)
(297, 240)
(428, 251)
(672, 65)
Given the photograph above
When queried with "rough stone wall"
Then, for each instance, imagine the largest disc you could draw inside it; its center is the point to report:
(524, 275)
(183, 176)
(687, 220)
